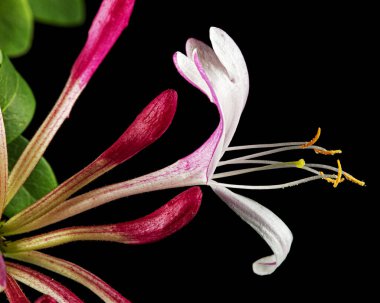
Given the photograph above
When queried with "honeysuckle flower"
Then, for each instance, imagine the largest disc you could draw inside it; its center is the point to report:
(149, 125)
(221, 73)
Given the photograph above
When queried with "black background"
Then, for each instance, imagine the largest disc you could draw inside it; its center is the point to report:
(308, 68)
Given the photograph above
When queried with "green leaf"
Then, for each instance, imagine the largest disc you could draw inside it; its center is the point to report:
(16, 26)
(16, 100)
(41, 181)
(59, 12)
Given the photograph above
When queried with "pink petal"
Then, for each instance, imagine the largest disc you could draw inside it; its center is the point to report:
(14, 292)
(111, 19)
(45, 299)
(163, 222)
(42, 283)
(74, 272)
(149, 126)
(158, 225)
(3, 274)
(270, 227)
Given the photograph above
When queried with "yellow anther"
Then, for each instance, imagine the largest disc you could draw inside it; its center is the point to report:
(328, 152)
(353, 179)
(312, 141)
(331, 180)
(339, 177)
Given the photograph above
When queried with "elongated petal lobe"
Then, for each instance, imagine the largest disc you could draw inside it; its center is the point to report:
(160, 224)
(270, 227)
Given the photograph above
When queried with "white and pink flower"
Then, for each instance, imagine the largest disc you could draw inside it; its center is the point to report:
(220, 72)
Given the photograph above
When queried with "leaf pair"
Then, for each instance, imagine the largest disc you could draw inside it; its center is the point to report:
(17, 17)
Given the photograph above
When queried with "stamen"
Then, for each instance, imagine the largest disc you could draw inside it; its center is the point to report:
(260, 146)
(339, 177)
(299, 164)
(346, 175)
(276, 186)
(312, 141)
(327, 152)
(353, 179)
(258, 155)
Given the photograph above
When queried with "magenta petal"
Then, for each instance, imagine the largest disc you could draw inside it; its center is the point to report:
(164, 221)
(45, 299)
(111, 19)
(160, 224)
(14, 292)
(3, 274)
(148, 126)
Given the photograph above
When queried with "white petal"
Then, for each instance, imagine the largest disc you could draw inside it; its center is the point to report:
(230, 56)
(270, 227)
(225, 81)
(187, 69)
(210, 62)
(233, 100)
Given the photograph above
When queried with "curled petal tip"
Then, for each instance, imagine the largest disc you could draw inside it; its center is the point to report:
(270, 227)
(265, 266)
